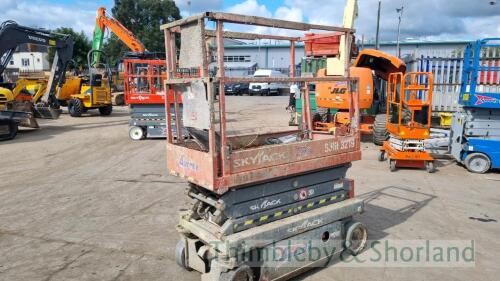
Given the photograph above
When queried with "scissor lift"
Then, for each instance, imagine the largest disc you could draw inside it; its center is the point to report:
(144, 91)
(475, 131)
(254, 193)
(409, 109)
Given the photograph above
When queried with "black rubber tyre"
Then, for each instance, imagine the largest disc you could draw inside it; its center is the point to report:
(477, 163)
(242, 273)
(106, 110)
(11, 128)
(120, 99)
(75, 107)
(380, 133)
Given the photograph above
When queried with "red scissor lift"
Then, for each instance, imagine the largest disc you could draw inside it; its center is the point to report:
(144, 90)
(258, 195)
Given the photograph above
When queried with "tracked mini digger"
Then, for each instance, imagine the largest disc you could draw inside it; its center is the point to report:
(256, 193)
(16, 106)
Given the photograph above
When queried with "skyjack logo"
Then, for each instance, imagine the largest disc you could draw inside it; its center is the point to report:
(260, 158)
(307, 224)
(140, 97)
(485, 99)
(266, 204)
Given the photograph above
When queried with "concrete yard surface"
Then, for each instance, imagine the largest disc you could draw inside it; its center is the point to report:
(79, 200)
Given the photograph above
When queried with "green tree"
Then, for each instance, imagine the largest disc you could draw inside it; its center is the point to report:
(81, 48)
(143, 18)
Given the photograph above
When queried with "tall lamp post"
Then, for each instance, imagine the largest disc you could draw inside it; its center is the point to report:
(377, 46)
(400, 12)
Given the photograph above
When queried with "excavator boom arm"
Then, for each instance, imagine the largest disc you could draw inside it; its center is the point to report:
(128, 38)
(13, 35)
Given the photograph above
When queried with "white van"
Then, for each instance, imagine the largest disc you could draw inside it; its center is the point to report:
(266, 89)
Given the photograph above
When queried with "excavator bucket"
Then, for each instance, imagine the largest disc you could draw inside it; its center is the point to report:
(44, 111)
(10, 120)
(24, 120)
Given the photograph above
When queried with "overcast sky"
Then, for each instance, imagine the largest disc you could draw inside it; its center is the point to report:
(422, 19)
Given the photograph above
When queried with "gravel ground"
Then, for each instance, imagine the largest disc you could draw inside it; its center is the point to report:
(80, 201)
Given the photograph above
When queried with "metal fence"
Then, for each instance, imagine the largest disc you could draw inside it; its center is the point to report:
(448, 75)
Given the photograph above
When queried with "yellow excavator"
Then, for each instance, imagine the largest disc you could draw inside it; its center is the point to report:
(17, 106)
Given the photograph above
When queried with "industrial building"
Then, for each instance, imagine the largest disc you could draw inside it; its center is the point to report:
(420, 48)
(242, 57)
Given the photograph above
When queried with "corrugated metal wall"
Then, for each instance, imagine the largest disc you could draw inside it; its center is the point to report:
(447, 72)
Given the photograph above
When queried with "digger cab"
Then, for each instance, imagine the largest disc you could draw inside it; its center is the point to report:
(409, 102)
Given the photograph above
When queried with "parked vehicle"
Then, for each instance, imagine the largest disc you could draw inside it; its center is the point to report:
(266, 89)
(236, 89)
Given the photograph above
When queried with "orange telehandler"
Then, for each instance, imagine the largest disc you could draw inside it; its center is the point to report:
(371, 67)
(333, 100)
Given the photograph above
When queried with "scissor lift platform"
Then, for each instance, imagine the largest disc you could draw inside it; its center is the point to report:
(253, 192)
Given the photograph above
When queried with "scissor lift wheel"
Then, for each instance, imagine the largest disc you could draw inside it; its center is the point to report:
(392, 165)
(477, 163)
(381, 156)
(429, 166)
(180, 254)
(136, 133)
(356, 237)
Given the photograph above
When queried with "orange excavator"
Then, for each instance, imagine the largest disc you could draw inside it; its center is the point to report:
(103, 22)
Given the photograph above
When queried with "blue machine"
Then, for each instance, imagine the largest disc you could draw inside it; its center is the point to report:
(475, 131)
